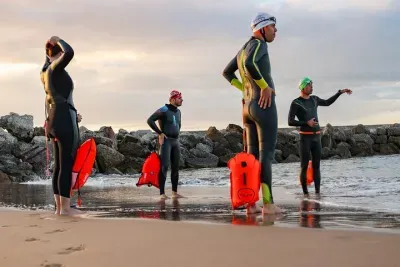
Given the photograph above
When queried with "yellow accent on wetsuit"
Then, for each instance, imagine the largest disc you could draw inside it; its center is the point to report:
(261, 82)
(266, 194)
(235, 82)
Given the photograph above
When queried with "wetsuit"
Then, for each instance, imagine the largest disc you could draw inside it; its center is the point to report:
(310, 139)
(61, 118)
(261, 125)
(169, 118)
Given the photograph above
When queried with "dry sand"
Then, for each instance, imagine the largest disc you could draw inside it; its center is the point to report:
(42, 239)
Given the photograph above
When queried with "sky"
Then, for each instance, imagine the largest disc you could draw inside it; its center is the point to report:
(129, 54)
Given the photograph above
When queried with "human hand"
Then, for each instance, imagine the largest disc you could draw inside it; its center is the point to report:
(348, 91)
(161, 138)
(79, 117)
(312, 122)
(266, 97)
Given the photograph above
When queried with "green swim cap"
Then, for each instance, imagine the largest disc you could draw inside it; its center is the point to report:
(304, 82)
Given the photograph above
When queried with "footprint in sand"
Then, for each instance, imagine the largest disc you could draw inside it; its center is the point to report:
(53, 265)
(72, 250)
(56, 231)
(33, 225)
(32, 239)
(5, 226)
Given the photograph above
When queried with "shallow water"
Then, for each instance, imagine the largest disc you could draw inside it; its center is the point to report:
(358, 193)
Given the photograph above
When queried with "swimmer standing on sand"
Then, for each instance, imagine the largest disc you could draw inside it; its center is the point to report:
(169, 117)
(259, 110)
(305, 109)
(61, 120)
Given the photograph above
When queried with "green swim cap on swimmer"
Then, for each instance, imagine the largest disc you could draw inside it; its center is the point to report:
(304, 82)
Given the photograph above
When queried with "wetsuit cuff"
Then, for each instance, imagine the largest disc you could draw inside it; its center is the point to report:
(262, 83)
(237, 84)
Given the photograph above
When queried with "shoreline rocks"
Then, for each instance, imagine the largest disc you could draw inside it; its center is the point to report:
(23, 147)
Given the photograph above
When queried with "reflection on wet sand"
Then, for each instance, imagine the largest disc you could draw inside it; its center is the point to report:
(309, 214)
(201, 205)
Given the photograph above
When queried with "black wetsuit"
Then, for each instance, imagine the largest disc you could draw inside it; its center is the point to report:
(61, 118)
(261, 125)
(169, 118)
(310, 139)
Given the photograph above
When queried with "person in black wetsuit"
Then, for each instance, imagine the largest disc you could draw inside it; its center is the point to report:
(169, 117)
(305, 109)
(61, 120)
(259, 110)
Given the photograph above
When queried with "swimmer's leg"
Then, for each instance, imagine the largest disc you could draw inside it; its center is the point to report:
(316, 152)
(267, 128)
(67, 145)
(56, 171)
(165, 152)
(175, 160)
(252, 148)
(305, 146)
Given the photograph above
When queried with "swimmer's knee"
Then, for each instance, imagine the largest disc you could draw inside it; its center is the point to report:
(268, 155)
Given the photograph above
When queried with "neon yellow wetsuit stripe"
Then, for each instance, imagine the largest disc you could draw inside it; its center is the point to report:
(260, 82)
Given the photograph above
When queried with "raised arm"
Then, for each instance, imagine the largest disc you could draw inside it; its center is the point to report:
(151, 121)
(292, 114)
(229, 74)
(329, 101)
(251, 63)
(66, 56)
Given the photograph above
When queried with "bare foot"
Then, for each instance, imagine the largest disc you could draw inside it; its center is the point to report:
(318, 195)
(271, 209)
(251, 209)
(71, 212)
(176, 195)
(306, 195)
(57, 212)
(163, 196)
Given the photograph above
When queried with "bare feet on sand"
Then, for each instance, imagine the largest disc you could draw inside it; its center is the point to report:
(176, 195)
(271, 209)
(163, 197)
(71, 212)
(252, 209)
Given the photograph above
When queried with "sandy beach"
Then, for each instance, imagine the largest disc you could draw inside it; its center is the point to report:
(41, 239)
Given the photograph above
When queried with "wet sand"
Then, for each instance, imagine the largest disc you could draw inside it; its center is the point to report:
(205, 205)
(32, 238)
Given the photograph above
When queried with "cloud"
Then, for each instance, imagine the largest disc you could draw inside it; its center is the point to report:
(130, 54)
(316, 5)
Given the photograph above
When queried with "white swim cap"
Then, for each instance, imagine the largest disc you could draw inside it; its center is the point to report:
(261, 20)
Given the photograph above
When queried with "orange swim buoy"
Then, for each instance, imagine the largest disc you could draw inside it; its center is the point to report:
(309, 174)
(245, 179)
(83, 165)
(150, 170)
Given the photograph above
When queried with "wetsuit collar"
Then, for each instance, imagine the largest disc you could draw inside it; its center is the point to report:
(171, 107)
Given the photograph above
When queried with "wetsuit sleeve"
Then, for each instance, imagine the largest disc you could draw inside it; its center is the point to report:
(252, 61)
(151, 121)
(292, 114)
(180, 120)
(65, 58)
(229, 74)
(329, 101)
